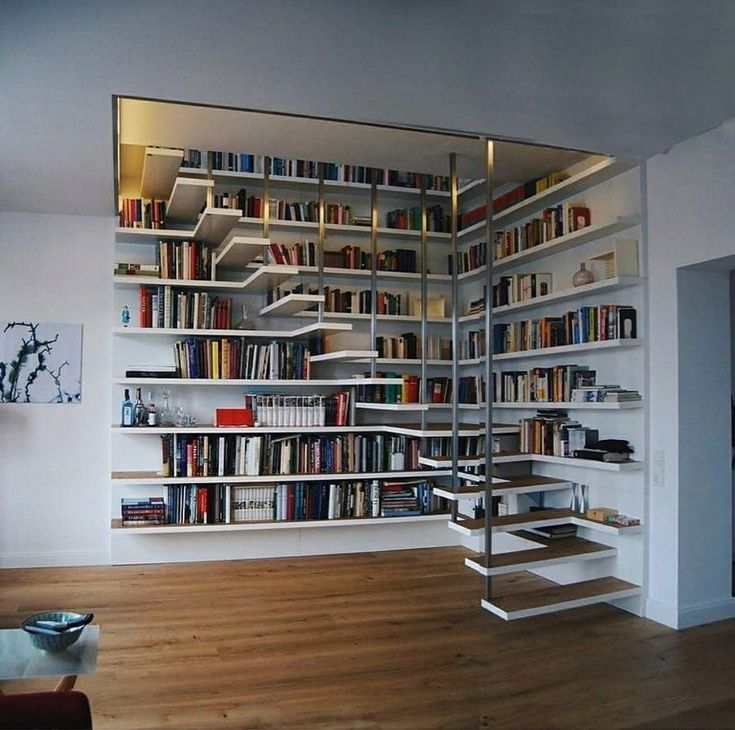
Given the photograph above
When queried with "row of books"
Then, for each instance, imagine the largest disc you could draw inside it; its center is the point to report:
(165, 306)
(586, 324)
(142, 511)
(192, 504)
(235, 358)
(299, 253)
(350, 301)
(471, 258)
(187, 455)
(140, 213)
(232, 201)
(441, 447)
(348, 257)
(309, 169)
(438, 390)
(541, 384)
(553, 223)
(512, 197)
(188, 260)
(274, 409)
(437, 220)
(520, 288)
(339, 454)
(408, 347)
(473, 346)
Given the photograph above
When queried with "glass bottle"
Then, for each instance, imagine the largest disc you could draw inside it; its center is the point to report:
(164, 412)
(127, 416)
(140, 418)
(583, 276)
(152, 414)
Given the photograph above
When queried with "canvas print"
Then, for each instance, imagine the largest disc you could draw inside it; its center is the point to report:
(40, 362)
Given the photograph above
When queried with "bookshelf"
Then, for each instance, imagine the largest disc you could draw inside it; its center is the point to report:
(251, 264)
(340, 262)
(536, 244)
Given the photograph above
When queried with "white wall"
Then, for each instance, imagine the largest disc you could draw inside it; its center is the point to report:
(54, 462)
(691, 220)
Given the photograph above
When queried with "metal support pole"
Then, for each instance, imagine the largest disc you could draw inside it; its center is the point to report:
(266, 196)
(373, 264)
(455, 328)
(321, 239)
(489, 173)
(424, 298)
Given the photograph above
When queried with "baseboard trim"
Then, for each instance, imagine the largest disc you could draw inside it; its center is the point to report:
(718, 611)
(53, 560)
(685, 618)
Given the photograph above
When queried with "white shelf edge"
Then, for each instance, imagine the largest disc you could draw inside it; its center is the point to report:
(275, 525)
(345, 356)
(290, 304)
(275, 478)
(571, 405)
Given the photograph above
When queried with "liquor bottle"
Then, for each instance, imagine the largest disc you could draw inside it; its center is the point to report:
(140, 416)
(152, 419)
(128, 412)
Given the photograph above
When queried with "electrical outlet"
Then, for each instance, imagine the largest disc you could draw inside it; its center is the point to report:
(658, 472)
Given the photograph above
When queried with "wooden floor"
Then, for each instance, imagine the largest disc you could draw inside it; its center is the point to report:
(378, 640)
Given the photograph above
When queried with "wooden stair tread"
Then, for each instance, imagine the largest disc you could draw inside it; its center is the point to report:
(559, 594)
(553, 549)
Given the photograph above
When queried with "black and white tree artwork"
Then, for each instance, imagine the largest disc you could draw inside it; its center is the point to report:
(40, 362)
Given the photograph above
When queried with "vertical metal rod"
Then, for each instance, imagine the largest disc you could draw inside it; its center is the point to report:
(489, 233)
(373, 264)
(424, 298)
(455, 327)
(266, 196)
(321, 240)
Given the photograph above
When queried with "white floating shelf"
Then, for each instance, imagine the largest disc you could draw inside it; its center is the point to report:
(237, 251)
(334, 271)
(160, 167)
(144, 477)
(473, 273)
(548, 351)
(406, 362)
(214, 224)
(308, 331)
(567, 461)
(381, 317)
(250, 382)
(188, 197)
(410, 233)
(563, 243)
(391, 406)
(269, 277)
(278, 223)
(447, 463)
(345, 356)
(290, 304)
(616, 282)
(119, 530)
(572, 405)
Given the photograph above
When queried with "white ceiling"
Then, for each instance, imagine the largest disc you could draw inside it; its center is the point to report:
(162, 124)
(627, 77)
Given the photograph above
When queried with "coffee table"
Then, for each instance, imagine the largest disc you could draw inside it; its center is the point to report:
(19, 659)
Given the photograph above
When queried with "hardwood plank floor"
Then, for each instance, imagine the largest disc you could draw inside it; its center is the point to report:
(374, 640)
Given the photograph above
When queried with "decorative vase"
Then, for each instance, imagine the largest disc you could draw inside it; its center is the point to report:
(244, 323)
(583, 276)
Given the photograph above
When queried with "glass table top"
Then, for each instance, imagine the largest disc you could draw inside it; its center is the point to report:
(19, 659)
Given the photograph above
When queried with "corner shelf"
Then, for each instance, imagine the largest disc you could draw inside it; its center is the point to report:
(318, 328)
(570, 405)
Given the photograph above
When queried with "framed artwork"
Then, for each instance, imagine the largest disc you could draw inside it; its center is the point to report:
(40, 362)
